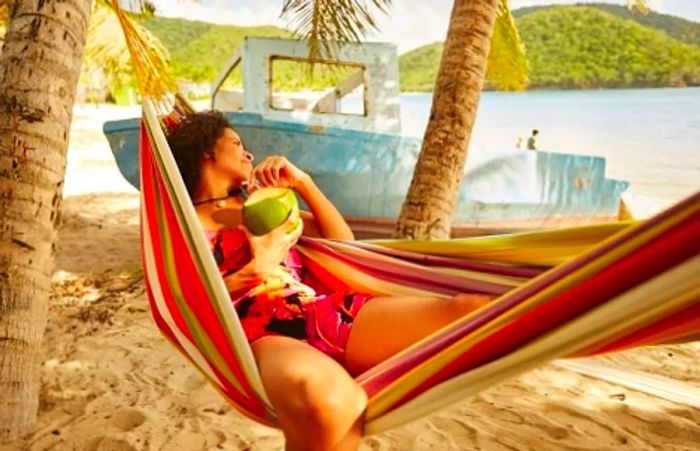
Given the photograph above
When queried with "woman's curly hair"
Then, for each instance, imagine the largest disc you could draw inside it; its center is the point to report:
(194, 137)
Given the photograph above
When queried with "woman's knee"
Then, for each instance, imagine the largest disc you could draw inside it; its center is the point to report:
(323, 400)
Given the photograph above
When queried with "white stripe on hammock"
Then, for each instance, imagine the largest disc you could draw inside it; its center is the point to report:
(244, 355)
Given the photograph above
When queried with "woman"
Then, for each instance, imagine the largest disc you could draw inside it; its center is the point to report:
(307, 345)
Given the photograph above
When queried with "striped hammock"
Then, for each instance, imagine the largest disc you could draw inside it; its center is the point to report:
(563, 293)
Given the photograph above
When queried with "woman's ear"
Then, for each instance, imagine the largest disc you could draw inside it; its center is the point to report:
(210, 154)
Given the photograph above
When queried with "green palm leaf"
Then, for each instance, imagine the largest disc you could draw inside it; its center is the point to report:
(507, 62)
(327, 22)
(507, 65)
(640, 5)
(4, 17)
(106, 49)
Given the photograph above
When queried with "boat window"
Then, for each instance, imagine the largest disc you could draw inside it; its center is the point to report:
(325, 87)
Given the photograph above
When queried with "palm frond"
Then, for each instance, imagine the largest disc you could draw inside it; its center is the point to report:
(141, 9)
(4, 17)
(507, 65)
(326, 23)
(640, 5)
(107, 49)
(136, 9)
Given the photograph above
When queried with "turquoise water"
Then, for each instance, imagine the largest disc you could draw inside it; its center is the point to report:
(649, 137)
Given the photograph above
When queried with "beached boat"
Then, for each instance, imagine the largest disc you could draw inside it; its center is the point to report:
(348, 137)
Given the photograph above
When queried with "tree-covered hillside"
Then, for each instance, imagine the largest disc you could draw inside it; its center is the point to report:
(198, 50)
(418, 68)
(582, 47)
(568, 47)
(676, 27)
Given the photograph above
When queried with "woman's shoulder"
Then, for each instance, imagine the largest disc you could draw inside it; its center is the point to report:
(221, 230)
(218, 219)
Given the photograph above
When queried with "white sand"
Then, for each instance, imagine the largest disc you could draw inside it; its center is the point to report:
(110, 382)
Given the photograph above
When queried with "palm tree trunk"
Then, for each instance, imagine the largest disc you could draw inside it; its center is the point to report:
(428, 210)
(39, 68)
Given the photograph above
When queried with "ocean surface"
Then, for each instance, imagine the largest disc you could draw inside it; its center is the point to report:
(649, 137)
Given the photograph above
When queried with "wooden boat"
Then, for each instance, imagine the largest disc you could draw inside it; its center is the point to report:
(348, 137)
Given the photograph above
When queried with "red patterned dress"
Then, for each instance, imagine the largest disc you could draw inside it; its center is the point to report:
(284, 304)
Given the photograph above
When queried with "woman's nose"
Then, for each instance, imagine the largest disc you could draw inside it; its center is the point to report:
(249, 156)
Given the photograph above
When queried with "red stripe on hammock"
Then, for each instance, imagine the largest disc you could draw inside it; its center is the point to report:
(674, 246)
(194, 292)
(676, 327)
(150, 185)
(415, 277)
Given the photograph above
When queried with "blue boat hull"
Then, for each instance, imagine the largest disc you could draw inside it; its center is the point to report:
(367, 174)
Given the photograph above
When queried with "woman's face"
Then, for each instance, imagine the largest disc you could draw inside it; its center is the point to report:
(231, 158)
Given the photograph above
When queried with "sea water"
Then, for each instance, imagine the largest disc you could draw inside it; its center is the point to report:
(649, 137)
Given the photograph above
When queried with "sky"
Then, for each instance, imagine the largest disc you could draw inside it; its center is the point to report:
(409, 24)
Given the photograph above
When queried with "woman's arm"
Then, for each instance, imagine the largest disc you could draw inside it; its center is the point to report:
(268, 251)
(278, 171)
(328, 219)
(248, 277)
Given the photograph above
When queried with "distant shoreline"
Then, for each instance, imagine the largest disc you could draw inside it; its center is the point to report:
(204, 102)
(557, 89)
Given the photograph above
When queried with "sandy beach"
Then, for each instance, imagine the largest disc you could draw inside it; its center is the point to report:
(112, 383)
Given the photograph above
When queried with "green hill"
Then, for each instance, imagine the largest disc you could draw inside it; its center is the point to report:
(418, 68)
(676, 27)
(592, 48)
(598, 46)
(198, 50)
(584, 47)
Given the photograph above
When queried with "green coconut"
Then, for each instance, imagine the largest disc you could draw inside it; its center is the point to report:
(268, 208)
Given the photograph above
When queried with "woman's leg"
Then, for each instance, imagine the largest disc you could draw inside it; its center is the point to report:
(386, 325)
(318, 404)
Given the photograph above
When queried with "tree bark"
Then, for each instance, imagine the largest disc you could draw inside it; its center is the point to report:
(428, 210)
(39, 68)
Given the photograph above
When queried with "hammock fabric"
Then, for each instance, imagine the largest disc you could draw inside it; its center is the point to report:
(563, 293)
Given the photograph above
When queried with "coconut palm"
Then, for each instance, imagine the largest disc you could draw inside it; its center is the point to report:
(39, 70)
(428, 209)
(39, 67)
(106, 56)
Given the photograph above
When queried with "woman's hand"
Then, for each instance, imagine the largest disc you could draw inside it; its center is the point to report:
(279, 172)
(269, 250)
